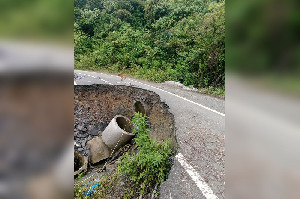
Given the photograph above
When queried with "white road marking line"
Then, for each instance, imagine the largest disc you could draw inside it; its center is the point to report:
(205, 107)
(201, 184)
(106, 81)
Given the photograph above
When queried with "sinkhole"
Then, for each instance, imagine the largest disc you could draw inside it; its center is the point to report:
(96, 106)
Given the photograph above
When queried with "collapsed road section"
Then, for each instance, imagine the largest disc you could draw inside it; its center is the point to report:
(103, 133)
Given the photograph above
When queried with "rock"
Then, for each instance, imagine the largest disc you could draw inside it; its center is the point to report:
(82, 135)
(98, 150)
(94, 131)
(80, 127)
(90, 127)
(76, 144)
(102, 126)
(83, 143)
(110, 167)
(86, 153)
(76, 133)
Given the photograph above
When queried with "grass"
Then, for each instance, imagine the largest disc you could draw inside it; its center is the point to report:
(151, 165)
(157, 76)
(100, 190)
(217, 92)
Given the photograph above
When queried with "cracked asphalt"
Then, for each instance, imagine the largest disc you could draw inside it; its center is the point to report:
(200, 134)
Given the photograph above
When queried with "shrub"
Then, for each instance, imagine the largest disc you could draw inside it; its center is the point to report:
(180, 40)
(151, 165)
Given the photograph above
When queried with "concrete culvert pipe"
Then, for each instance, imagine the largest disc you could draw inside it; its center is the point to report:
(117, 133)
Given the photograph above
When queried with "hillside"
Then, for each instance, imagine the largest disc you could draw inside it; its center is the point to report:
(158, 40)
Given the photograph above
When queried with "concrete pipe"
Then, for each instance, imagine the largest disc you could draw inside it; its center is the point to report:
(117, 133)
(98, 150)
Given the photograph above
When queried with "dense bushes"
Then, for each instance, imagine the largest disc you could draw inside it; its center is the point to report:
(150, 166)
(153, 39)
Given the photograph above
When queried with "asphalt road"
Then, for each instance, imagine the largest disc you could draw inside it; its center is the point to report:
(198, 171)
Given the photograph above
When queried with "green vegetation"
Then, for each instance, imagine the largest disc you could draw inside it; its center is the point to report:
(150, 166)
(139, 172)
(157, 40)
(217, 92)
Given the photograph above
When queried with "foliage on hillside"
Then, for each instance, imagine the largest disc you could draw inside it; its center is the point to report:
(157, 40)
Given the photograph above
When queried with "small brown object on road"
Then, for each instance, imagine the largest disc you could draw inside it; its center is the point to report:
(122, 76)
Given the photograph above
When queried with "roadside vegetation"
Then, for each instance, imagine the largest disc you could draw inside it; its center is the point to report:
(138, 173)
(157, 40)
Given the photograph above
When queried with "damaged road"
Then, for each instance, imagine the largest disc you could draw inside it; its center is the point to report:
(198, 171)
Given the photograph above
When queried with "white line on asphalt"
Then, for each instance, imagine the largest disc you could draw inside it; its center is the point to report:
(106, 81)
(201, 184)
(207, 108)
